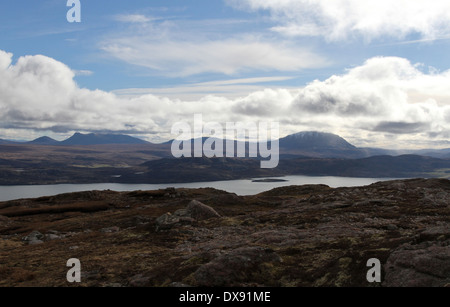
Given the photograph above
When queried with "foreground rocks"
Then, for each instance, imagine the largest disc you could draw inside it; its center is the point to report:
(420, 264)
(34, 237)
(195, 211)
(309, 235)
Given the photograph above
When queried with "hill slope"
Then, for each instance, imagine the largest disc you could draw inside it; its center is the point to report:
(6, 142)
(318, 144)
(45, 140)
(313, 140)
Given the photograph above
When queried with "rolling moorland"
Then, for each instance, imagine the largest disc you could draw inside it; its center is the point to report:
(294, 236)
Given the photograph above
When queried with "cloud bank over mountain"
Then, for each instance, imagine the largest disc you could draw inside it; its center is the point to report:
(386, 101)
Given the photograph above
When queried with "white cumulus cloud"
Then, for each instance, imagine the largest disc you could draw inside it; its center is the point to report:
(387, 95)
(386, 101)
(343, 19)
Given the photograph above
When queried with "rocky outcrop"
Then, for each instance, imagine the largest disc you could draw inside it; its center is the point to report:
(4, 220)
(195, 211)
(199, 211)
(33, 238)
(423, 263)
(168, 221)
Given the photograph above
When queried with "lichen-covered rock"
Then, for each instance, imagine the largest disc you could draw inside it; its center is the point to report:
(200, 211)
(35, 237)
(195, 211)
(435, 233)
(423, 265)
(168, 221)
(4, 220)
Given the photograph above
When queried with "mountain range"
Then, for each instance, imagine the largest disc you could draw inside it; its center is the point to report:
(303, 144)
(117, 158)
(86, 139)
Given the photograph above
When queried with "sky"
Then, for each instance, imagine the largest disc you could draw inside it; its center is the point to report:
(375, 72)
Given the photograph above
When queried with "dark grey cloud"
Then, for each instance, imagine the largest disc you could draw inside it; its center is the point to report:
(401, 127)
(319, 103)
(327, 103)
(440, 134)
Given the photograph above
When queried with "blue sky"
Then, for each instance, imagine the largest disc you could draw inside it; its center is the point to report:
(40, 27)
(311, 65)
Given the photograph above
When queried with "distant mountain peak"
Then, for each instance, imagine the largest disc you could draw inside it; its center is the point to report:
(101, 139)
(312, 139)
(310, 134)
(318, 144)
